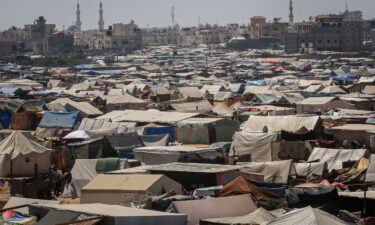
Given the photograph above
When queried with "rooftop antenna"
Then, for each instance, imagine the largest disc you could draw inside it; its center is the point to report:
(199, 21)
(346, 7)
(173, 24)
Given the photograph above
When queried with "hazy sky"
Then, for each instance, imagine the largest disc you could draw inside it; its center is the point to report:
(157, 12)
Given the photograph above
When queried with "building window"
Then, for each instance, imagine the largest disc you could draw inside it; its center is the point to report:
(328, 41)
(335, 41)
(319, 41)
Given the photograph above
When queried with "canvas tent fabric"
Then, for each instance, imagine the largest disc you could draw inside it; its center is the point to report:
(116, 214)
(307, 215)
(306, 169)
(59, 120)
(258, 145)
(197, 210)
(154, 155)
(240, 186)
(123, 189)
(19, 201)
(278, 123)
(24, 153)
(370, 174)
(222, 110)
(274, 172)
(206, 130)
(104, 124)
(259, 216)
(83, 171)
(194, 107)
(155, 140)
(335, 157)
(148, 116)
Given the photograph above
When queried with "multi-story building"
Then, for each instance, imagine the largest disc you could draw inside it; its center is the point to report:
(161, 36)
(328, 33)
(260, 28)
(126, 36)
(11, 41)
(38, 34)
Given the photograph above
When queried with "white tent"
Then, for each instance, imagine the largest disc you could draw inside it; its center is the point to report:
(258, 145)
(25, 156)
(78, 134)
(307, 215)
(278, 123)
(259, 216)
(274, 172)
(335, 157)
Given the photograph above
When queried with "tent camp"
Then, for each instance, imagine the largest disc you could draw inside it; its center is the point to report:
(307, 215)
(278, 123)
(259, 216)
(257, 145)
(123, 189)
(335, 157)
(23, 156)
(107, 214)
(206, 130)
(197, 210)
(168, 154)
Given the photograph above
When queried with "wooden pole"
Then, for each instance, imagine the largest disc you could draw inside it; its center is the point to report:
(11, 177)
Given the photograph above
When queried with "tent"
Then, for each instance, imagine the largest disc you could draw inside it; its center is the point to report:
(206, 130)
(197, 210)
(110, 214)
(222, 110)
(154, 155)
(240, 186)
(26, 156)
(83, 171)
(124, 189)
(258, 145)
(278, 123)
(335, 157)
(331, 91)
(259, 216)
(193, 107)
(307, 215)
(274, 172)
(59, 119)
(79, 134)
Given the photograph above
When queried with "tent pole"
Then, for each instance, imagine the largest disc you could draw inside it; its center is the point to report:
(11, 177)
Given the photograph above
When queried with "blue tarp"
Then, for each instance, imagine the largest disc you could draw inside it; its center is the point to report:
(371, 120)
(8, 90)
(345, 77)
(5, 119)
(85, 66)
(46, 93)
(161, 130)
(59, 119)
(256, 83)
